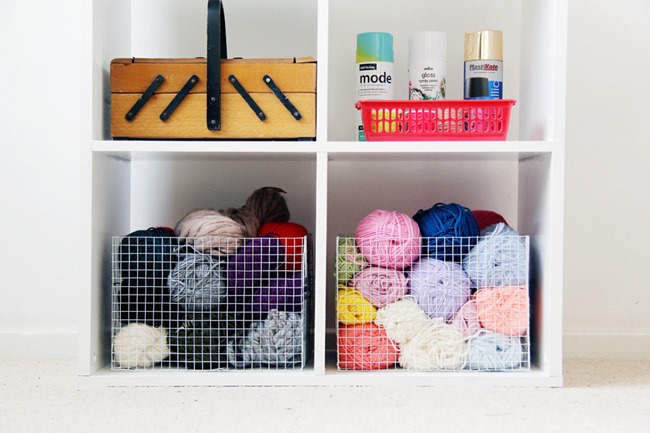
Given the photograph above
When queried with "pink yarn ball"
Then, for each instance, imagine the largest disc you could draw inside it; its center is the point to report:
(365, 347)
(466, 319)
(504, 310)
(380, 286)
(389, 239)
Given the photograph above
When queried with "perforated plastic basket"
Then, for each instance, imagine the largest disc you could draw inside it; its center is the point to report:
(397, 120)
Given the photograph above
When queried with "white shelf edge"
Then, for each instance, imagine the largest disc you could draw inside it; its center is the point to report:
(332, 377)
(313, 147)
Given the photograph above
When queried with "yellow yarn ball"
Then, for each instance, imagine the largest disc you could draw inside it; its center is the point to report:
(353, 308)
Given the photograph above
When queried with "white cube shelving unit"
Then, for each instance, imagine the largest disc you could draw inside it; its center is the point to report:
(334, 181)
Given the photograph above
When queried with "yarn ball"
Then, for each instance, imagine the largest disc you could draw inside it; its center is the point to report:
(138, 345)
(401, 320)
(254, 262)
(466, 319)
(380, 286)
(504, 310)
(389, 239)
(284, 293)
(277, 341)
(200, 342)
(353, 308)
(500, 258)
(451, 230)
(440, 288)
(198, 282)
(349, 260)
(365, 347)
(148, 255)
(140, 301)
(292, 237)
(494, 352)
(268, 205)
(486, 218)
(210, 232)
(245, 217)
(438, 346)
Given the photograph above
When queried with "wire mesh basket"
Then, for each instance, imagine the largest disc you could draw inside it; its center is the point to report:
(210, 303)
(442, 304)
(401, 120)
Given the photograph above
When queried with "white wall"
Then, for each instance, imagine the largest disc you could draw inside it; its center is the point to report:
(39, 174)
(607, 182)
(607, 297)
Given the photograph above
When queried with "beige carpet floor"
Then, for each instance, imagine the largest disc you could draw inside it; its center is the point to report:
(45, 396)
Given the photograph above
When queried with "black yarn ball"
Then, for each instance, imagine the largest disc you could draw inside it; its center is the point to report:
(200, 341)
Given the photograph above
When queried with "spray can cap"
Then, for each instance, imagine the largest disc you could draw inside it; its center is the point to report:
(374, 47)
(484, 45)
(427, 46)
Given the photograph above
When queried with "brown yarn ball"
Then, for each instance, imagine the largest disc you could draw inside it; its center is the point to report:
(210, 231)
(246, 218)
(268, 205)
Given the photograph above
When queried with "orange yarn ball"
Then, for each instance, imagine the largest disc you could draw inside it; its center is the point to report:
(291, 236)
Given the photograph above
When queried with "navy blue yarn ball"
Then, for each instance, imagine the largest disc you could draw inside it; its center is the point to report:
(450, 231)
(144, 259)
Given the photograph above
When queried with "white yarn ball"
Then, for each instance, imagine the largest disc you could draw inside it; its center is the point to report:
(402, 319)
(438, 346)
(138, 345)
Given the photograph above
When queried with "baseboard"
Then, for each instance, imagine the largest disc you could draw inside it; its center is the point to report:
(606, 345)
(38, 343)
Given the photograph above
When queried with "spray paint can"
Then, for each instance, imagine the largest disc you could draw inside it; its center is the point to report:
(375, 66)
(427, 65)
(483, 65)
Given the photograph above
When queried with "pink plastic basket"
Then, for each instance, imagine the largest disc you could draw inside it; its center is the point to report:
(469, 120)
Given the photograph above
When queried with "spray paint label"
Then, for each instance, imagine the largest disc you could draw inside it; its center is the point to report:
(427, 80)
(483, 79)
(374, 82)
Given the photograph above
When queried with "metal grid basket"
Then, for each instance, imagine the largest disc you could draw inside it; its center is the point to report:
(209, 303)
(459, 304)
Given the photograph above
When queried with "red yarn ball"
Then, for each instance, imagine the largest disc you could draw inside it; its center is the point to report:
(291, 237)
(487, 218)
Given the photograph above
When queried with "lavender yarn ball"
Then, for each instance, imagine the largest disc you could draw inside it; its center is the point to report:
(451, 230)
(492, 352)
(277, 341)
(198, 282)
(254, 262)
(440, 288)
(500, 258)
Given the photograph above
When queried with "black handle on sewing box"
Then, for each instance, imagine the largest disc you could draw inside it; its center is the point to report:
(217, 50)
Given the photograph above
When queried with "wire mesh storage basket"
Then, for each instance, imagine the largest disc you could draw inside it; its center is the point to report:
(397, 120)
(437, 304)
(210, 303)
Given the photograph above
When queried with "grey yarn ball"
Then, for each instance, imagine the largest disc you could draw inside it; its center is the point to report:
(198, 283)
(276, 341)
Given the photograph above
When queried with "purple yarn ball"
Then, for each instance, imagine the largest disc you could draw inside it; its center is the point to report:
(440, 288)
(283, 294)
(254, 262)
